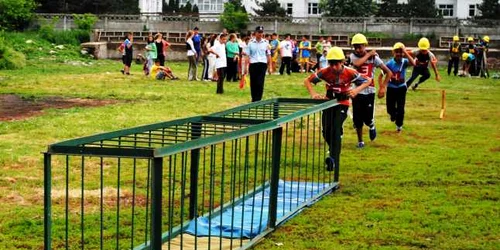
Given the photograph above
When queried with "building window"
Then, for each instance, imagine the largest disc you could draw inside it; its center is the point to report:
(474, 10)
(313, 9)
(446, 10)
(289, 8)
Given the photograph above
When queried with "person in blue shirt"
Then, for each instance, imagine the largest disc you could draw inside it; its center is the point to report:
(305, 53)
(469, 60)
(197, 43)
(323, 63)
(259, 56)
(396, 89)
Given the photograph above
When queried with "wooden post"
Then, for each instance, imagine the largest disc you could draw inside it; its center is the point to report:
(443, 104)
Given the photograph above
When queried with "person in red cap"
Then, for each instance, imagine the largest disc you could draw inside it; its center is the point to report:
(259, 57)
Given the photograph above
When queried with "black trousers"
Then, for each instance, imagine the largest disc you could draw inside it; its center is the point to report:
(453, 62)
(419, 71)
(204, 75)
(332, 122)
(395, 103)
(257, 77)
(363, 107)
(231, 70)
(286, 62)
(318, 56)
(221, 73)
(161, 58)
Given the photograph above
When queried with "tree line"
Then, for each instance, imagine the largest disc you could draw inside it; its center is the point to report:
(16, 14)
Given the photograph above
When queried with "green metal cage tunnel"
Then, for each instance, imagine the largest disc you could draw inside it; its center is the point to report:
(221, 181)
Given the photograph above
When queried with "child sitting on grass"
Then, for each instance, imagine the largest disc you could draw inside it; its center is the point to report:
(161, 72)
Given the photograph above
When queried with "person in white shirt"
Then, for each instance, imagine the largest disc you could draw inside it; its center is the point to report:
(191, 55)
(219, 50)
(285, 48)
(211, 57)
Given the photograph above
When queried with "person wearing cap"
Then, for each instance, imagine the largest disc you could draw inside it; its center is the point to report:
(469, 60)
(455, 51)
(363, 105)
(481, 49)
(259, 57)
(338, 82)
(197, 43)
(423, 57)
(396, 89)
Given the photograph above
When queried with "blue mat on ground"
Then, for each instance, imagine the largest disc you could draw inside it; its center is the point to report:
(249, 216)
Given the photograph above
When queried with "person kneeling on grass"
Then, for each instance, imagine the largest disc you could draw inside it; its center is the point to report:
(339, 79)
(396, 89)
(161, 72)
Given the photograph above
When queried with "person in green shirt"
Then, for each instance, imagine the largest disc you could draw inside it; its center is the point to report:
(232, 51)
(151, 54)
(319, 51)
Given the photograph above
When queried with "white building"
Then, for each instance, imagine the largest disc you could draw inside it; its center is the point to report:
(150, 6)
(310, 8)
(456, 8)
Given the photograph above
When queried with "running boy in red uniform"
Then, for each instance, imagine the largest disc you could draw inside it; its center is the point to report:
(363, 105)
(338, 80)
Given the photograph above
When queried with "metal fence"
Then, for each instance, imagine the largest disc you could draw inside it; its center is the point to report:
(221, 181)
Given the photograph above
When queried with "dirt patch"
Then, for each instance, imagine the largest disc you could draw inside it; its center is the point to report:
(14, 107)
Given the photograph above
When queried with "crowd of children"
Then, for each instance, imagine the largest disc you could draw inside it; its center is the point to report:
(348, 78)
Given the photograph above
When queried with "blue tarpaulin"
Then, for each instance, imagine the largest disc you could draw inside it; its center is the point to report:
(249, 216)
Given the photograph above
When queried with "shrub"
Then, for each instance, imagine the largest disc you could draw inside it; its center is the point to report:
(9, 58)
(74, 37)
(85, 21)
(16, 14)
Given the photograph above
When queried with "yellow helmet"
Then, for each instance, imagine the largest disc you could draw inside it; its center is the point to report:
(335, 53)
(359, 39)
(470, 39)
(486, 39)
(398, 46)
(456, 39)
(465, 55)
(424, 43)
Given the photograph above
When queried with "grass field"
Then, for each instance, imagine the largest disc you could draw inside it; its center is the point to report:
(434, 186)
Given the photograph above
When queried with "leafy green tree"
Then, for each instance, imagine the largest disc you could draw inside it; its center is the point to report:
(16, 14)
(490, 9)
(85, 21)
(195, 9)
(176, 6)
(348, 8)
(234, 17)
(391, 8)
(187, 8)
(422, 9)
(167, 8)
(270, 8)
(89, 6)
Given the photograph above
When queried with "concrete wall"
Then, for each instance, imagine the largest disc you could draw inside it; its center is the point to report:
(396, 27)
